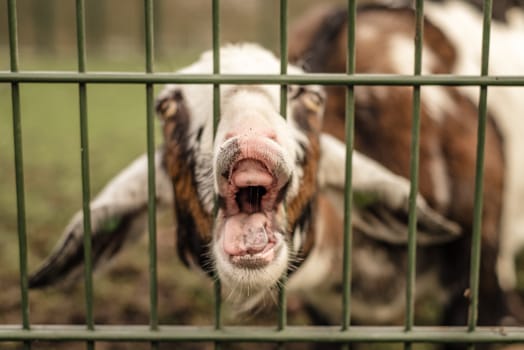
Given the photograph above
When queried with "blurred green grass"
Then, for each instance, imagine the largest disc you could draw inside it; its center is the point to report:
(52, 179)
(51, 146)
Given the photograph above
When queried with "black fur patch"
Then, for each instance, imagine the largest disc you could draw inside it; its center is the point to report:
(189, 242)
(323, 42)
(105, 242)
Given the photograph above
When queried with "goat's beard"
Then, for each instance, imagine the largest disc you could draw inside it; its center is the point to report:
(249, 286)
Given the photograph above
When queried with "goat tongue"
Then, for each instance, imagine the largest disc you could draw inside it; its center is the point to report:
(246, 234)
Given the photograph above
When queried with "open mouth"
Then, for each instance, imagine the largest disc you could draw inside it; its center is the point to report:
(249, 199)
(252, 188)
(252, 177)
(250, 233)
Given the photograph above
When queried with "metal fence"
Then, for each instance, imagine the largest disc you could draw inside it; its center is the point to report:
(345, 333)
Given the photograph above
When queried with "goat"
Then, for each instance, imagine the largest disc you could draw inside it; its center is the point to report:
(273, 180)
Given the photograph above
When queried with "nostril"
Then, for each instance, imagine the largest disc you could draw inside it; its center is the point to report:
(271, 135)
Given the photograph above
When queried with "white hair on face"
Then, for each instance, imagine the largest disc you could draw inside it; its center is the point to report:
(246, 287)
(237, 59)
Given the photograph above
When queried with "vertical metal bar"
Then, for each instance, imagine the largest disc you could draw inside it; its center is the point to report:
(283, 56)
(19, 167)
(84, 154)
(479, 173)
(348, 195)
(216, 117)
(151, 184)
(414, 172)
(216, 61)
(282, 302)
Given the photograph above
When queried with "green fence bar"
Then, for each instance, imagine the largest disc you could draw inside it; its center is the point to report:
(312, 78)
(216, 61)
(151, 183)
(216, 117)
(414, 173)
(19, 168)
(348, 195)
(360, 334)
(282, 302)
(283, 56)
(84, 154)
(479, 174)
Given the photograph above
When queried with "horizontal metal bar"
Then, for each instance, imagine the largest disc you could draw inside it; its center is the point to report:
(264, 334)
(325, 79)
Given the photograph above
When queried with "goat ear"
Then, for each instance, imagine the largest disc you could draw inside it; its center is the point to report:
(307, 103)
(381, 198)
(118, 216)
(167, 104)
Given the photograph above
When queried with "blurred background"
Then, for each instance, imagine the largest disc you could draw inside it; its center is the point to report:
(115, 30)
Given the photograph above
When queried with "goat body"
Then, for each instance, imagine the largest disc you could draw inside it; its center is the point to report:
(447, 145)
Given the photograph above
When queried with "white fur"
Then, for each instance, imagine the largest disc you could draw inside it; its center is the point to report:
(505, 103)
(434, 98)
(368, 175)
(440, 178)
(130, 186)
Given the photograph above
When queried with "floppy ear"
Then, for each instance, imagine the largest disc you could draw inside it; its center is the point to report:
(308, 103)
(381, 198)
(118, 216)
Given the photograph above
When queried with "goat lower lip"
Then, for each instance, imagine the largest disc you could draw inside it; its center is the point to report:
(257, 260)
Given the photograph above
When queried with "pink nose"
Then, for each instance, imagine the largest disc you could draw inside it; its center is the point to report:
(252, 126)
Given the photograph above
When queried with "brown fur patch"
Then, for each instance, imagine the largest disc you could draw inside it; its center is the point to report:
(309, 120)
(194, 224)
(383, 132)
